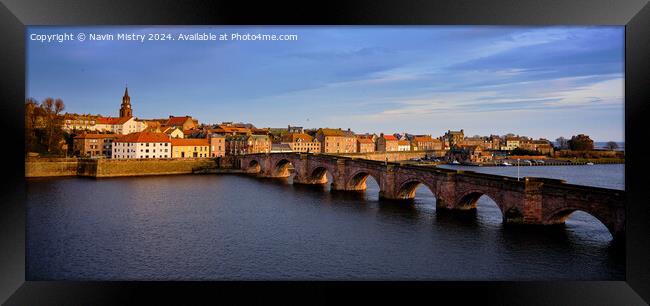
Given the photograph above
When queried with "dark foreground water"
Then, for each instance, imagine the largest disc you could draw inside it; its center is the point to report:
(231, 227)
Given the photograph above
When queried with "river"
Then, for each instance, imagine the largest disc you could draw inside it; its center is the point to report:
(236, 227)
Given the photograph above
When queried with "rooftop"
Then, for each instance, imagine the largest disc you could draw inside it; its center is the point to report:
(112, 120)
(180, 142)
(144, 137)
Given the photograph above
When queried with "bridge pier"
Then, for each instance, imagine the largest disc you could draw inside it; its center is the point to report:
(308, 180)
(339, 183)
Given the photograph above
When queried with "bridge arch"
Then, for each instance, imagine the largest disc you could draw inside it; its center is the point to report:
(559, 216)
(315, 175)
(357, 181)
(468, 199)
(406, 190)
(281, 167)
(254, 166)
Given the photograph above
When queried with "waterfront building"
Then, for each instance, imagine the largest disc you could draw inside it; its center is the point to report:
(300, 142)
(484, 142)
(454, 138)
(217, 145)
(142, 145)
(365, 145)
(542, 146)
(403, 145)
(93, 145)
(189, 148)
(425, 143)
(387, 143)
(512, 142)
(495, 140)
(247, 144)
(372, 137)
(280, 148)
(469, 154)
(336, 140)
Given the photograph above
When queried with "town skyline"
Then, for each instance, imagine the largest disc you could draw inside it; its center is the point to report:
(571, 84)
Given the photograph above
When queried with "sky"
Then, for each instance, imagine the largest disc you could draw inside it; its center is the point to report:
(541, 82)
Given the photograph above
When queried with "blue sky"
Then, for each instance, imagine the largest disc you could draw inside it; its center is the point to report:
(534, 81)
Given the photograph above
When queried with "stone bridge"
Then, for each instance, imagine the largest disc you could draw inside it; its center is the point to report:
(526, 201)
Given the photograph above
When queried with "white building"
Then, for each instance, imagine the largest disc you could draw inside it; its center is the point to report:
(126, 125)
(142, 145)
(403, 145)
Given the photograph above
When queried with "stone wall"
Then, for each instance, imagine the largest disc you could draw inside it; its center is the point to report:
(114, 167)
(46, 167)
(138, 167)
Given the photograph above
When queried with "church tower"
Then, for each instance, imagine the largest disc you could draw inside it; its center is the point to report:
(125, 109)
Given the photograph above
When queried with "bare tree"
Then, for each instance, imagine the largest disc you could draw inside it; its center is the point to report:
(52, 109)
(562, 143)
(31, 105)
(611, 145)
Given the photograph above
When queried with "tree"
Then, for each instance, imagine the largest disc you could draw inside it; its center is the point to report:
(562, 143)
(581, 142)
(52, 109)
(611, 145)
(31, 105)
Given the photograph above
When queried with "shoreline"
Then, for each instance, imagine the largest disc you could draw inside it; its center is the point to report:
(541, 165)
(70, 167)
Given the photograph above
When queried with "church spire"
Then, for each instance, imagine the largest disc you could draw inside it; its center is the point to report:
(125, 109)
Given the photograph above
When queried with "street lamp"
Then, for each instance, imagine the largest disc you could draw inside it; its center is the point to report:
(517, 169)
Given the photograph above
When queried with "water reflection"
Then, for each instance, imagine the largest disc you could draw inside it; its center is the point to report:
(244, 227)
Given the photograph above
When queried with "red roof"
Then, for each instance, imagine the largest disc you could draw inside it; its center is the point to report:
(179, 142)
(144, 137)
(112, 120)
(423, 139)
(230, 129)
(174, 121)
(331, 132)
(365, 140)
(390, 137)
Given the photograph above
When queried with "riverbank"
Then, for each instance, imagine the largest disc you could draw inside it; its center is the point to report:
(550, 162)
(99, 168)
(86, 167)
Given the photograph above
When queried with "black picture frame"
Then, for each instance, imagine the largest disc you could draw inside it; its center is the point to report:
(16, 14)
